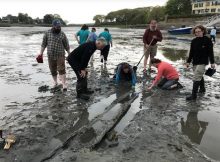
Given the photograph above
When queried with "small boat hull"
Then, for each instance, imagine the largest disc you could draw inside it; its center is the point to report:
(179, 31)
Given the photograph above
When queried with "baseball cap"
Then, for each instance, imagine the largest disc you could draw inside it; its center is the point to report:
(56, 23)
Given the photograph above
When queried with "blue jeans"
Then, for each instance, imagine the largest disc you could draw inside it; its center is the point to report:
(167, 84)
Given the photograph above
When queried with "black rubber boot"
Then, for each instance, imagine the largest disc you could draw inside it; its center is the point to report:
(80, 90)
(85, 87)
(202, 86)
(193, 96)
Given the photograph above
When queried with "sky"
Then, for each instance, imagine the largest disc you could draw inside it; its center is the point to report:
(74, 11)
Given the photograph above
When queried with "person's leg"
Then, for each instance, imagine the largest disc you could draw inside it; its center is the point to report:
(214, 39)
(106, 52)
(199, 70)
(202, 86)
(162, 82)
(80, 84)
(146, 53)
(62, 71)
(153, 53)
(53, 70)
(170, 84)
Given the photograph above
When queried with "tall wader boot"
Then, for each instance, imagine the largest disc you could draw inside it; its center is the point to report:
(80, 89)
(86, 90)
(195, 89)
(202, 86)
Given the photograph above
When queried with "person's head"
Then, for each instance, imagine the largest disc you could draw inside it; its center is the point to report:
(155, 62)
(199, 31)
(125, 68)
(93, 29)
(153, 25)
(106, 29)
(56, 26)
(101, 43)
(84, 27)
(214, 27)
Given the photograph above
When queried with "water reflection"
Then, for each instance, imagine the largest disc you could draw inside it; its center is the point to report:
(193, 128)
(174, 54)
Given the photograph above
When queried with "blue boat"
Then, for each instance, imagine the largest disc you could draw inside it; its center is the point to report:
(178, 31)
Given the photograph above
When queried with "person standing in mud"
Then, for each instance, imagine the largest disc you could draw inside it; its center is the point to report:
(167, 76)
(79, 59)
(201, 53)
(125, 73)
(213, 34)
(83, 34)
(151, 36)
(104, 53)
(92, 36)
(56, 43)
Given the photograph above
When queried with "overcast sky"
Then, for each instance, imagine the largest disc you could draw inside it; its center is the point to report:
(74, 11)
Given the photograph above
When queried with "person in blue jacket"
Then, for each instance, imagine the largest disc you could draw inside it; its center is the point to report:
(83, 34)
(104, 53)
(125, 73)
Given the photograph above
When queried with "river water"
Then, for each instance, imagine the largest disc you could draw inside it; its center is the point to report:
(21, 76)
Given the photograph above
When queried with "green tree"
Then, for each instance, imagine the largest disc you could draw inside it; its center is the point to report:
(157, 13)
(99, 19)
(178, 7)
(48, 19)
(23, 18)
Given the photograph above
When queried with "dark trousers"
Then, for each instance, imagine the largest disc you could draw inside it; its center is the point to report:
(105, 52)
(212, 37)
(167, 84)
(81, 85)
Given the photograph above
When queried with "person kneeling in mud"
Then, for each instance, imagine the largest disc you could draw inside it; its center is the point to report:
(167, 76)
(125, 73)
(79, 59)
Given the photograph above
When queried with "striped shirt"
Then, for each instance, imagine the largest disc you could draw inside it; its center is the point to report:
(56, 44)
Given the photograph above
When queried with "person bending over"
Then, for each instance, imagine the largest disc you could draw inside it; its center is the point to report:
(167, 76)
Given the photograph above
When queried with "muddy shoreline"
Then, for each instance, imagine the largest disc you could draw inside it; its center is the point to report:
(117, 123)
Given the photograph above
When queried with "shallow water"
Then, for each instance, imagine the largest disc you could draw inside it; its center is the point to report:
(21, 76)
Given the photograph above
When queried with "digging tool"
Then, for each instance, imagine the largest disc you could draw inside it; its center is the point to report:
(135, 67)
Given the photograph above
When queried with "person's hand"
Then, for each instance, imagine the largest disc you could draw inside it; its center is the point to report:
(146, 46)
(187, 65)
(213, 66)
(149, 88)
(83, 73)
(154, 37)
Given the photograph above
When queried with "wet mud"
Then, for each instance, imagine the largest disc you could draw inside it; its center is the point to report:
(118, 123)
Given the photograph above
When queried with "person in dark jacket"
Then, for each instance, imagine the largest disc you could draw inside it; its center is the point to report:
(201, 53)
(79, 59)
(151, 36)
(125, 73)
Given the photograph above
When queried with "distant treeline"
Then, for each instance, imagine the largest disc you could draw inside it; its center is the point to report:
(145, 14)
(24, 18)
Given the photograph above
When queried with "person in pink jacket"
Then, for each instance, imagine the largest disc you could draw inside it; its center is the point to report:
(167, 76)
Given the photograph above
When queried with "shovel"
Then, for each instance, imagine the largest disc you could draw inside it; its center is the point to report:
(135, 67)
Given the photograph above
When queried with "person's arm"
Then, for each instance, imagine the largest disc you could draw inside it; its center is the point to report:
(134, 79)
(157, 79)
(76, 36)
(86, 57)
(117, 78)
(44, 44)
(189, 60)
(145, 37)
(211, 53)
(66, 44)
(159, 36)
(110, 41)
